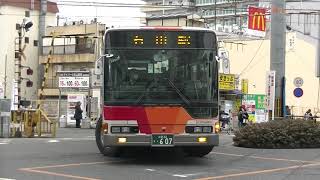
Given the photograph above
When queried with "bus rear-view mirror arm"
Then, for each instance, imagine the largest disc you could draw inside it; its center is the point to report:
(98, 63)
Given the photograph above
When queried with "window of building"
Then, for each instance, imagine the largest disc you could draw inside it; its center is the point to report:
(27, 14)
(26, 40)
(35, 43)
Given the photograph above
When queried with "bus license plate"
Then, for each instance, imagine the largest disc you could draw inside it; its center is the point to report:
(160, 140)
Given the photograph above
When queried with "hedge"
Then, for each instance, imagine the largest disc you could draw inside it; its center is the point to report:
(279, 134)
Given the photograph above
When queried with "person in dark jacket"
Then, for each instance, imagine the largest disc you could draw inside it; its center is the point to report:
(242, 116)
(78, 114)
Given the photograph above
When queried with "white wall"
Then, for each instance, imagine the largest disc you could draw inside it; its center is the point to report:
(11, 16)
(299, 63)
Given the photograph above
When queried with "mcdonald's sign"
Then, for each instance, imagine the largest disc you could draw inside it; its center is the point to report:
(257, 19)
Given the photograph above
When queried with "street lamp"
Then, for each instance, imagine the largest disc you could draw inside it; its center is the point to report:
(23, 27)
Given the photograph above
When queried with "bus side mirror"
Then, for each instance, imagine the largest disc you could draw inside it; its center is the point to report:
(217, 58)
(98, 66)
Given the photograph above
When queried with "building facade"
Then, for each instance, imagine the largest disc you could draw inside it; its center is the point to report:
(11, 13)
(76, 48)
(222, 15)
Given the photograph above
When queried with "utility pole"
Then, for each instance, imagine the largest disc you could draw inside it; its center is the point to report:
(215, 14)
(5, 77)
(318, 49)
(278, 45)
(163, 7)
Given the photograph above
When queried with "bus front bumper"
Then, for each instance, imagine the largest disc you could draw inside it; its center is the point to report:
(146, 140)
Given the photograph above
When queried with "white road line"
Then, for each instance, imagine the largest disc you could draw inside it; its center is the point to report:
(53, 141)
(150, 169)
(179, 175)
(2, 143)
(6, 179)
(187, 175)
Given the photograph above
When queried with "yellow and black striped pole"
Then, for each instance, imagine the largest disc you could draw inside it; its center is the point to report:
(46, 72)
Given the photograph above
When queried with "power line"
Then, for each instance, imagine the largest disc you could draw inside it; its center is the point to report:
(254, 56)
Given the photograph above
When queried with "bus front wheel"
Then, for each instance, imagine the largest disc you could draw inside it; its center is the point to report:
(198, 151)
(106, 151)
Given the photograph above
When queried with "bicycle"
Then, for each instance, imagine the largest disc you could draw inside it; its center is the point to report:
(227, 128)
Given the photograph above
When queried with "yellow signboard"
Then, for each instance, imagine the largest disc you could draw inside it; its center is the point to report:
(244, 86)
(226, 82)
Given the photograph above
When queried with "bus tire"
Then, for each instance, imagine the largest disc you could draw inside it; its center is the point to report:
(106, 151)
(198, 151)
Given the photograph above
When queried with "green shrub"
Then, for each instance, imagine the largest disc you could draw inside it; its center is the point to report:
(279, 134)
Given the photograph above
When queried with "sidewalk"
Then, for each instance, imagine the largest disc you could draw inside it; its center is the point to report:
(74, 133)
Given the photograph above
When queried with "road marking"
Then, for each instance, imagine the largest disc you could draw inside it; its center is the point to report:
(68, 165)
(186, 175)
(179, 175)
(264, 158)
(58, 174)
(6, 179)
(258, 172)
(4, 141)
(150, 169)
(37, 169)
(53, 141)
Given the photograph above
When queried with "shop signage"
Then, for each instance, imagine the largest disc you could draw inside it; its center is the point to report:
(257, 21)
(226, 82)
(244, 86)
(256, 107)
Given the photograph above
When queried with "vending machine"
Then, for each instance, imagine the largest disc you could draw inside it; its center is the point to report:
(71, 104)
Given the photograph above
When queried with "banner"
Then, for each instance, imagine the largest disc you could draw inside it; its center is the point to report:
(226, 82)
(270, 89)
(257, 21)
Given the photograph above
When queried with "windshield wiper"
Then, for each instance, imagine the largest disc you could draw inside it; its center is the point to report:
(182, 96)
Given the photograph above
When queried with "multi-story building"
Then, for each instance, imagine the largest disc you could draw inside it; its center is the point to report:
(11, 13)
(76, 48)
(156, 8)
(221, 15)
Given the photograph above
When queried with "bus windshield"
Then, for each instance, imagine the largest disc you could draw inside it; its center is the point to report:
(162, 77)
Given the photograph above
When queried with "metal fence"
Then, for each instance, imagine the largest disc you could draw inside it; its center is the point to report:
(51, 107)
(300, 111)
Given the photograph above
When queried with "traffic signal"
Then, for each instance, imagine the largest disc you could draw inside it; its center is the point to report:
(29, 83)
(29, 71)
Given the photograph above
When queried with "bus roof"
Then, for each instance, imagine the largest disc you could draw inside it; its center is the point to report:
(162, 28)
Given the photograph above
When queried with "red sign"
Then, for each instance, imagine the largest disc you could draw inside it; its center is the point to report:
(257, 19)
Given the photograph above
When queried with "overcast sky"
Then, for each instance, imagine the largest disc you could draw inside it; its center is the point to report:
(111, 16)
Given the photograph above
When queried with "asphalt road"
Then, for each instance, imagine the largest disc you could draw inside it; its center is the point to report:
(74, 155)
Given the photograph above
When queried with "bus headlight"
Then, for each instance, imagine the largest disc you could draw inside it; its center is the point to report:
(197, 129)
(125, 129)
(115, 129)
(207, 129)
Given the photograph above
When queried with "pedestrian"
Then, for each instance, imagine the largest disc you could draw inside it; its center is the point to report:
(308, 115)
(242, 116)
(288, 112)
(78, 114)
(224, 117)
